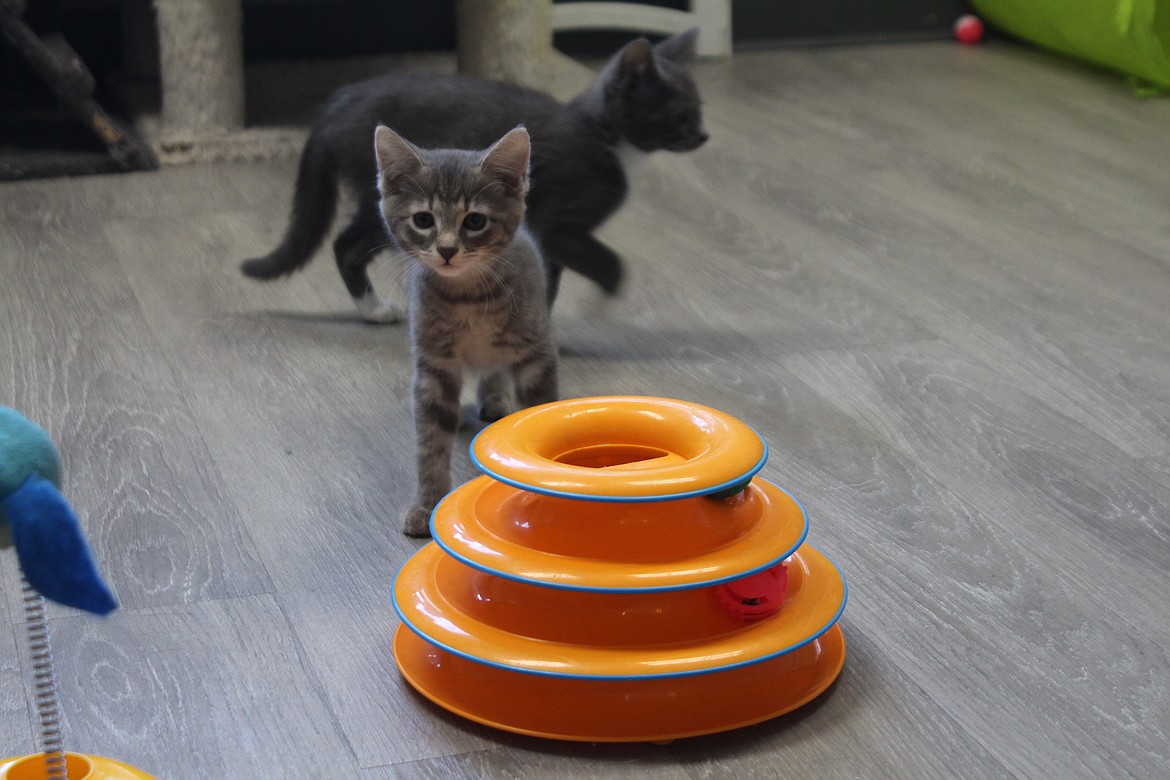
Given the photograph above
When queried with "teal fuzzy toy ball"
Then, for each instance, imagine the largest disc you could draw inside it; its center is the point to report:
(53, 553)
(25, 449)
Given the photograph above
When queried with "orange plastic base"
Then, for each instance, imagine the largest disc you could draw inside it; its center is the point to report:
(599, 710)
(77, 767)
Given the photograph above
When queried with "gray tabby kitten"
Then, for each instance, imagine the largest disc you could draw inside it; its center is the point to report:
(477, 291)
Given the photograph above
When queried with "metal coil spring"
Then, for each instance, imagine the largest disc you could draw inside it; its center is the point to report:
(44, 684)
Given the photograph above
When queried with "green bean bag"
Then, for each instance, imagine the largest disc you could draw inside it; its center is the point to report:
(1130, 36)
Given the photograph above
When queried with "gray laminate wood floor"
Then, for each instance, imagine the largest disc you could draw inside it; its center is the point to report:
(934, 278)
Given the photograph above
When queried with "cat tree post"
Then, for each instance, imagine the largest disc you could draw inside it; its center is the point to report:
(201, 64)
(509, 40)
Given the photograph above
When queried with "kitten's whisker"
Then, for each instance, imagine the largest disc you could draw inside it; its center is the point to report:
(376, 249)
(398, 266)
(487, 187)
(491, 267)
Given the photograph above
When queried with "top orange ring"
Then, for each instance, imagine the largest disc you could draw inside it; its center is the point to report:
(620, 449)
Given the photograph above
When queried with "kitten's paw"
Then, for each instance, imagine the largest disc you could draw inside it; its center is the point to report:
(416, 522)
(493, 409)
(379, 311)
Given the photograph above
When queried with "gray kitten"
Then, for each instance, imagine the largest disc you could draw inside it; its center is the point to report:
(477, 291)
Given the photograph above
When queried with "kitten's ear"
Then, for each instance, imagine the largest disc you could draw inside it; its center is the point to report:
(507, 161)
(636, 58)
(397, 157)
(679, 48)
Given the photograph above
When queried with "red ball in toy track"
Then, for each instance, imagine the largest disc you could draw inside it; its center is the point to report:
(968, 29)
(756, 596)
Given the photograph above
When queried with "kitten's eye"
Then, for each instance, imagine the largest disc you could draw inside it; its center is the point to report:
(423, 220)
(475, 221)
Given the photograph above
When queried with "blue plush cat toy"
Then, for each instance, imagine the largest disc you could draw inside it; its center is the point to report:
(53, 553)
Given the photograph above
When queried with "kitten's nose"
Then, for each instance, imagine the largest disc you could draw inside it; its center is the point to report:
(447, 252)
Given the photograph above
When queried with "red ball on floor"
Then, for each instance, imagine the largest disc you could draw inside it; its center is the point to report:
(968, 29)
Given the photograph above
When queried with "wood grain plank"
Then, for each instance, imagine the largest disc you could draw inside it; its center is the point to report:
(1056, 487)
(72, 336)
(994, 581)
(215, 689)
(911, 226)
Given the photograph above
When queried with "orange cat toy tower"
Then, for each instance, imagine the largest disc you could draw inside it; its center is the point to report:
(619, 575)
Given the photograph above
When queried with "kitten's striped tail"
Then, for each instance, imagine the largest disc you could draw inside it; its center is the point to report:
(314, 204)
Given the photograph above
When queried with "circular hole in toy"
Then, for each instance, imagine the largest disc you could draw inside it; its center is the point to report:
(601, 456)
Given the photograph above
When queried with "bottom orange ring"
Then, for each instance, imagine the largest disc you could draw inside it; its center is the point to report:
(599, 710)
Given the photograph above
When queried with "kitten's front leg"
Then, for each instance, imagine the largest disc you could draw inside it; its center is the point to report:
(493, 397)
(436, 389)
(536, 377)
